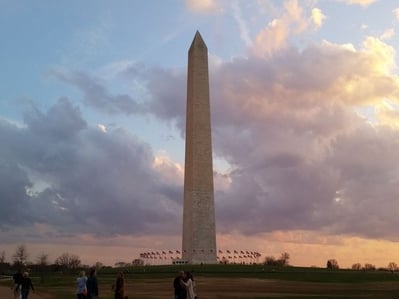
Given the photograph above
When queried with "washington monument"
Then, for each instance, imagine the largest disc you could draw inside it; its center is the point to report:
(199, 234)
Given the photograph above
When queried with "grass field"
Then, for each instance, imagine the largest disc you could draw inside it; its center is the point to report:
(235, 281)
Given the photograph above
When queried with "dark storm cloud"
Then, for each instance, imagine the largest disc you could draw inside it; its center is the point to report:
(96, 95)
(15, 203)
(165, 98)
(58, 171)
(168, 95)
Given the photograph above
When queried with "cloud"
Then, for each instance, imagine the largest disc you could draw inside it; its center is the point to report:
(364, 26)
(203, 6)
(96, 94)
(15, 202)
(285, 119)
(317, 17)
(387, 115)
(289, 130)
(396, 13)
(65, 121)
(363, 3)
(61, 173)
(102, 127)
(153, 86)
(293, 21)
(293, 136)
(244, 32)
(288, 125)
(388, 34)
(272, 38)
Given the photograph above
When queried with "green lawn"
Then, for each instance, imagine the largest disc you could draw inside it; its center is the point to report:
(281, 282)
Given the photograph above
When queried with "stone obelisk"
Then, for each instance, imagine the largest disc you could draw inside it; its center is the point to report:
(199, 234)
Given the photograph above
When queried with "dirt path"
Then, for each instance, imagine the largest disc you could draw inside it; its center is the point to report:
(6, 293)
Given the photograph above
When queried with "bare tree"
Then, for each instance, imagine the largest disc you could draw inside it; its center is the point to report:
(42, 259)
(270, 260)
(368, 266)
(2, 256)
(284, 258)
(20, 257)
(68, 261)
(42, 262)
(282, 261)
(356, 266)
(332, 264)
(392, 266)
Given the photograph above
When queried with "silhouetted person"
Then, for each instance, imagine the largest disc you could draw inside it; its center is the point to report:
(119, 287)
(26, 285)
(92, 285)
(178, 285)
(17, 278)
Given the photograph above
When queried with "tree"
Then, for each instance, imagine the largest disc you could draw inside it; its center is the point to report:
(356, 266)
(284, 258)
(2, 257)
(98, 265)
(332, 264)
(68, 261)
(20, 257)
(42, 262)
(392, 266)
(138, 262)
(3, 264)
(369, 266)
(42, 259)
(270, 260)
(282, 261)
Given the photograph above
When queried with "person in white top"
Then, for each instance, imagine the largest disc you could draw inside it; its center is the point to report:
(190, 286)
(81, 290)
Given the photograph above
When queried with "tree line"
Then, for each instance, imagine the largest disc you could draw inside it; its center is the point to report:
(332, 264)
(71, 262)
(19, 260)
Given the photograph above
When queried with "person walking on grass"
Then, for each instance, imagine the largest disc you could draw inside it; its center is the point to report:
(26, 285)
(119, 287)
(179, 288)
(189, 285)
(17, 280)
(81, 290)
(92, 285)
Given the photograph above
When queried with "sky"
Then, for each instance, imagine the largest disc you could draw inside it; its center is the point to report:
(305, 127)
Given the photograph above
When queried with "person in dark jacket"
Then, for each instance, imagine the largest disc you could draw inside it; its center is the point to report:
(92, 286)
(180, 289)
(17, 278)
(119, 287)
(26, 285)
